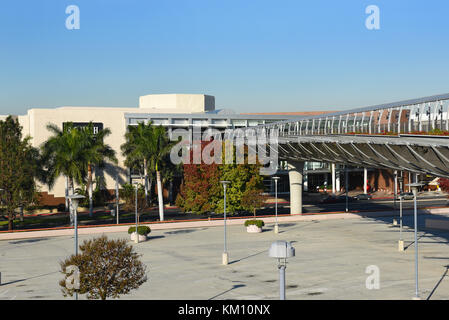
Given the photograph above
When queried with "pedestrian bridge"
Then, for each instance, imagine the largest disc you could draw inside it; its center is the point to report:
(410, 135)
(405, 135)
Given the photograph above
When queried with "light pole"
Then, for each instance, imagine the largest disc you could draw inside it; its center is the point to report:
(74, 202)
(346, 186)
(401, 242)
(225, 256)
(117, 211)
(276, 227)
(414, 187)
(136, 239)
(281, 250)
(395, 188)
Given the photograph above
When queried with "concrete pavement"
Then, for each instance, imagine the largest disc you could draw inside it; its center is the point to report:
(332, 255)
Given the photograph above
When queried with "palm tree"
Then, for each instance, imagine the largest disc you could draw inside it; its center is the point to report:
(96, 155)
(148, 145)
(136, 149)
(63, 154)
(160, 147)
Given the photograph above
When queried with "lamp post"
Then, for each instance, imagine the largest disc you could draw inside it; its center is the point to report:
(74, 202)
(136, 239)
(281, 250)
(346, 186)
(117, 199)
(276, 226)
(414, 187)
(401, 242)
(225, 256)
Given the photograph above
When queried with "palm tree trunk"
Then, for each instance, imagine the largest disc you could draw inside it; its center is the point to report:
(89, 182)
(159, 195)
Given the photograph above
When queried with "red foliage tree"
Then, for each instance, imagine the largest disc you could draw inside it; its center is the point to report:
(444, 184)
(200, 188)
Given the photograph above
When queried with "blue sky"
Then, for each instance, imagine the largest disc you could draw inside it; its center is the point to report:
(253, 56)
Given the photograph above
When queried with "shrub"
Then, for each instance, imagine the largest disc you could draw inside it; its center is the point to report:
(128, 194)
(258, 223)
(105, 268)
(142, 230)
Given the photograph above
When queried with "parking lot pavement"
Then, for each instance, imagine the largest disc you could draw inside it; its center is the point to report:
(331, 261)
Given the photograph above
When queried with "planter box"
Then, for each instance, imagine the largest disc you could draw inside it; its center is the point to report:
(252, 228)
(141, 237)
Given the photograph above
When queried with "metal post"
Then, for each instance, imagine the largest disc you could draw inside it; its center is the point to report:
(276, 191)
(276, 226)
(137, 234)
(75, 219)
(224, 218)
(117, 211)
(225, 257)
(401, 242)
(395, 187)
(416, 246)
(346, 186)
(76, 231)
(282, 282)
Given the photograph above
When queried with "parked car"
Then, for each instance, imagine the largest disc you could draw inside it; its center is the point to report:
(406, 195)
(329, 199)
(335, 199)
(363, 196)
(343, 199)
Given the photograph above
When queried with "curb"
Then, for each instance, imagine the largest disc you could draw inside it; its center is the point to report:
(216, 222)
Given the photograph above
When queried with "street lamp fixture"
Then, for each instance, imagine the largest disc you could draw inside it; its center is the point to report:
(276, 227)
(225, 256)
(281, 250)
(414, 187)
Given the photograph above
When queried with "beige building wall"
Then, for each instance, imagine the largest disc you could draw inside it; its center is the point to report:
(35, 121)
(187, 102)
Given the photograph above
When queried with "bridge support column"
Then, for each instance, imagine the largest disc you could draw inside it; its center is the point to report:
(295, 175)
(337, 182)
(365, 181)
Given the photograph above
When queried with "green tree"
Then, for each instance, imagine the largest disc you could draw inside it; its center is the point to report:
(201, 190)
(253, 197)
(160, 148)
(137, 149)
(147, 145)
(63, 154)
(97, 153)
(19, 166)
(106, 269)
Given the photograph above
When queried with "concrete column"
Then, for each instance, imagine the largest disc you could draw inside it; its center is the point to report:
(333, 177)
(305, 181)
(295, 175)
(337, 181)
(365, 179)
